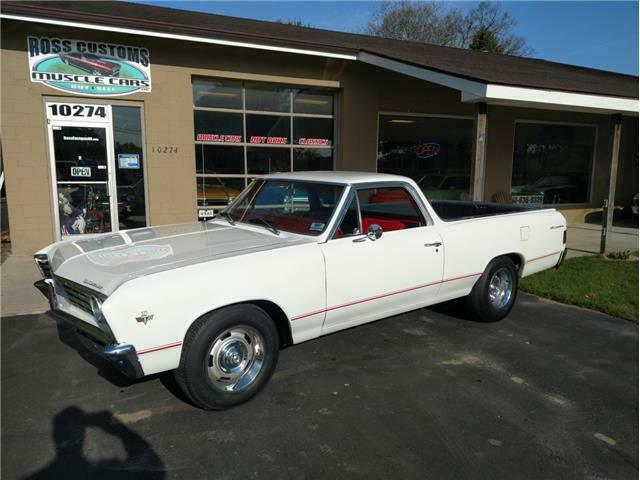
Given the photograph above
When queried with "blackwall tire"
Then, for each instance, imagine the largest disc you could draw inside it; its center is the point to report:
(228, 356)
(495, 292)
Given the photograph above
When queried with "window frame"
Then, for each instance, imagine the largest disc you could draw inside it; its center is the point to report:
(596, 132)
(340, 204)
(417, 114)
(352, 190)
(291, 147)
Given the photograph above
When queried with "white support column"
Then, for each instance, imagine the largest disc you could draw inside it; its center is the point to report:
(479, 152)
(616, 132)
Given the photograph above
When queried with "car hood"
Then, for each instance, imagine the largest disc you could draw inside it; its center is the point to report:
(106, 261)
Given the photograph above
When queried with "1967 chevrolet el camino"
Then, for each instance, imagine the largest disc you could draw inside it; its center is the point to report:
(294, 257)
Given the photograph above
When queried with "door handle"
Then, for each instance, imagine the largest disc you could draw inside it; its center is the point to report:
(434, 244)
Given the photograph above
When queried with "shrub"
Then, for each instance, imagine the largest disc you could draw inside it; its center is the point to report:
(621, 255)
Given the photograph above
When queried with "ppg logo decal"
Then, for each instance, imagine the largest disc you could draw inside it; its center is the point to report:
(427, 150)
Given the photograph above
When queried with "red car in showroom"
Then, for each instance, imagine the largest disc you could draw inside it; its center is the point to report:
(91, 63)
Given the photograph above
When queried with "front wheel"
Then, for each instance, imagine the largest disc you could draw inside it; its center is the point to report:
(228, 356)
(495, 292)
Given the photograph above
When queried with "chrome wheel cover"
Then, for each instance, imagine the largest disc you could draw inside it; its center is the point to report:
(501, 288)
(236, 358)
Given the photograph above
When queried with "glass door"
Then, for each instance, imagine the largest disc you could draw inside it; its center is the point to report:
(81, 149)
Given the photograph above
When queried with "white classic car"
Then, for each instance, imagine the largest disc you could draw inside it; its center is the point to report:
(294, 257)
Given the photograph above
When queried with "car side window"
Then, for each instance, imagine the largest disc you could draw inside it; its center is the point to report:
(393, 208)
(350, 224)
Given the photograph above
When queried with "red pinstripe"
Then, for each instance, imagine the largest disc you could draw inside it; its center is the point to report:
(356, 302)
(543, 256)
(405, 290)
(161, 347)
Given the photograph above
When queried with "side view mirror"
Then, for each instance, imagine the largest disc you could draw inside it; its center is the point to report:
(374, 232)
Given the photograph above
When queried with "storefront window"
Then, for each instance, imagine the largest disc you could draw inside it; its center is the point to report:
(261, 161)
(268, 129)
(305, 159)
(220, 127)
(552, 163)
(313, 102)
(433, 151)
(219, 159)
(217, 191)
(127, 138)
(247, 129)
(313, 131)
(212, 93)
(268, 98)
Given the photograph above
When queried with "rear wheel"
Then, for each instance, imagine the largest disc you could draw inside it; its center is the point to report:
(495, 292)
(228, 356)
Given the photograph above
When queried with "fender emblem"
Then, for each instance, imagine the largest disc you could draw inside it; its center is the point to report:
(93, 284)
(144, 317)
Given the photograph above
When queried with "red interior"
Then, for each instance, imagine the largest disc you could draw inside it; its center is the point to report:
(393, 196)
(388, 225)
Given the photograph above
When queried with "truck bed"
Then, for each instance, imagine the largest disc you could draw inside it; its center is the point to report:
(449, 210)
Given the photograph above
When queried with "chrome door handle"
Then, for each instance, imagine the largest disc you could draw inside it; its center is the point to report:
(434, 244)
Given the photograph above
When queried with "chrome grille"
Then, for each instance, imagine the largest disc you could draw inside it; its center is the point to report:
(76, 295)
(43, 264)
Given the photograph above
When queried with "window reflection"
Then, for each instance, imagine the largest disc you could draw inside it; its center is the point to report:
(305, 159)
(268, 160)
(433, 151)
(552, 163)
(127, 138)
(217, 93)
(216, 191)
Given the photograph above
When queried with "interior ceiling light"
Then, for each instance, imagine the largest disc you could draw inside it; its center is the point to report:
(310, 101)
(220, 94)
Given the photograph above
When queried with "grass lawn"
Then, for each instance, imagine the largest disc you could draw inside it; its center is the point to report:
(609, 286)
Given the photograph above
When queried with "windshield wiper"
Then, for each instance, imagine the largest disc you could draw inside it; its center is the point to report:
(227, 216)
(267, 225)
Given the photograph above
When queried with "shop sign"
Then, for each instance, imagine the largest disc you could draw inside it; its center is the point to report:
(215, 137)
(528, 199)
(89, 68)
(269, 140)
(427, 150)
(80, 171)
(314, 141)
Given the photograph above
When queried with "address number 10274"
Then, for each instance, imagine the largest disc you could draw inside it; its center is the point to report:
(57, 110)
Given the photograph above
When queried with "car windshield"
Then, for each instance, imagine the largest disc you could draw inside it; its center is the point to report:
(292, 206)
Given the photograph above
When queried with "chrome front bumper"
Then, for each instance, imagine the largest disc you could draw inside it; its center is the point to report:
(122, 356)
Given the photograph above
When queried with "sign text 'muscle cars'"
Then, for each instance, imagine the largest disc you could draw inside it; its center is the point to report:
(89, 68)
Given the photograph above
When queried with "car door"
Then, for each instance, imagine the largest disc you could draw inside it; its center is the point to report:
(369, 278)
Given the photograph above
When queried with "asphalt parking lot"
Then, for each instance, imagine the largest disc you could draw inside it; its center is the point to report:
(550, 392)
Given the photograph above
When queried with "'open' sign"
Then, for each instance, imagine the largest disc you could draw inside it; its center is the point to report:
(80, 171)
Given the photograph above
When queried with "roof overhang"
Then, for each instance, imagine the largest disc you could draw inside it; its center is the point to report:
(473, 91)
(176, 36)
